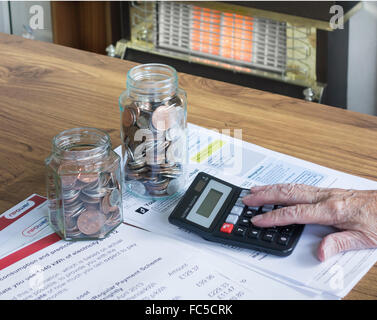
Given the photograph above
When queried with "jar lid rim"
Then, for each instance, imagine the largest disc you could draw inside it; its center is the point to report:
(151, 66)
(101, 145)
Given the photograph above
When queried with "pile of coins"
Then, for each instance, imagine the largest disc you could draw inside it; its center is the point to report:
(90, 205)
(153, 136)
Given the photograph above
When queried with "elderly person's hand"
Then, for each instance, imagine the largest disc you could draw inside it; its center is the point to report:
(354, 212)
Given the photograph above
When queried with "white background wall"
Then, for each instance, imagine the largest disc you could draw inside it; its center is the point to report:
(4, 17)
(362, 60)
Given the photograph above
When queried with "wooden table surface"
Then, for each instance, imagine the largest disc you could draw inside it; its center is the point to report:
(45, 88)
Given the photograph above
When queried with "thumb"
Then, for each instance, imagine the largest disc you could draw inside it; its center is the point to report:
(338, 242)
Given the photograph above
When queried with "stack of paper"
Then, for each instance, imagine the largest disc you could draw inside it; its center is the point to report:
(172, 263)
(246, 165)
(129, 264)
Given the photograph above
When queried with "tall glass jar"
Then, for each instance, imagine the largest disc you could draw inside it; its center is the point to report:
(153, 131)
(84, 188)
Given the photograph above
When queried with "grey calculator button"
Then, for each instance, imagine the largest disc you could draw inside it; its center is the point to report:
(239, 202)
(254, 208)
(237, 210)
(232, 218)
(244, 193)
(267, 208)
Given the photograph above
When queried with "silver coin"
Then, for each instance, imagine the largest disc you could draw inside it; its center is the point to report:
(174, 134)
(70, 194)
(174, 152)
(174, 186)
(137, 187)
(88, 199)
(73, 213)
(72, 205)
(139, 151)
(91, 185)
(73, 234)
(105, 179)
(145, 106)
(157, 192)
(142, 122)
(95, 193)
(133, 165)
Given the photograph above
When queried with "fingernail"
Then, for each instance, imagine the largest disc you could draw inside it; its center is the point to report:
(329, 251)
(257, 218)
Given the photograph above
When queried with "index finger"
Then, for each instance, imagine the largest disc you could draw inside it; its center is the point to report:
(285, 194)
(318, 213)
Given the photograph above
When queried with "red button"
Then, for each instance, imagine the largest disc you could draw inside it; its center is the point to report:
(227, 227)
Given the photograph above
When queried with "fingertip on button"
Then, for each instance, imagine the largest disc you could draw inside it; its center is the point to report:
(246, 199)
(256, 219)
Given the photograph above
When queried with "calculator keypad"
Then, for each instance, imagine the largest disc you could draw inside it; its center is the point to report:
(238, 223)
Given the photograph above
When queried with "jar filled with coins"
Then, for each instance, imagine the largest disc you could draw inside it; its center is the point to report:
(84, 188)
(153, 131)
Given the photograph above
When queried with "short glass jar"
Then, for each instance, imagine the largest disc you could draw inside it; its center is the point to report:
(84, 188)
(153, 131)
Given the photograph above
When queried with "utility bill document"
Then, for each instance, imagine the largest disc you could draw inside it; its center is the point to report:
(129, 264)
(246, 165)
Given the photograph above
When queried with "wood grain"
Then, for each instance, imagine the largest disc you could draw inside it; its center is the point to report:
(47, 88)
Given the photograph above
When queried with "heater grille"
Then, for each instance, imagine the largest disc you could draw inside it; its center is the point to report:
(247, 41)
(279, 50)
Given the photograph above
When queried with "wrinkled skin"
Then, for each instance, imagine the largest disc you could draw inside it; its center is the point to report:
(354, 212)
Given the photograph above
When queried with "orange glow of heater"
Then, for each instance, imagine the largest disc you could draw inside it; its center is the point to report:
(222, 34)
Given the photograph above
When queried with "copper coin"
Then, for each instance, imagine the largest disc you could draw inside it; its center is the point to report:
(114, 218)
(128, 117)
(91, 206)
(136, 111)
(164, 117)
(87, 199)
(106, 208)
(69, 223)
(90, 222)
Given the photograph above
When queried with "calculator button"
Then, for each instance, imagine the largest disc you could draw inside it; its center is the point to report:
(227, 228)
(240, 231)
(254, 233)
(283, 240)
(254, 208)
(232, 218)
(236, 210)
(244, 193)
(272, 229)
(267, 208)
(268, 236)
(288, 230)
(244, 222)
(249, 214)
(239, 202)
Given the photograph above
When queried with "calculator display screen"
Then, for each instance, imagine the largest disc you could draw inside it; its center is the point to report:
(209, 203)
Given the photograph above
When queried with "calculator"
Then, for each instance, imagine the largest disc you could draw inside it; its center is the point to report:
(213, 209)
